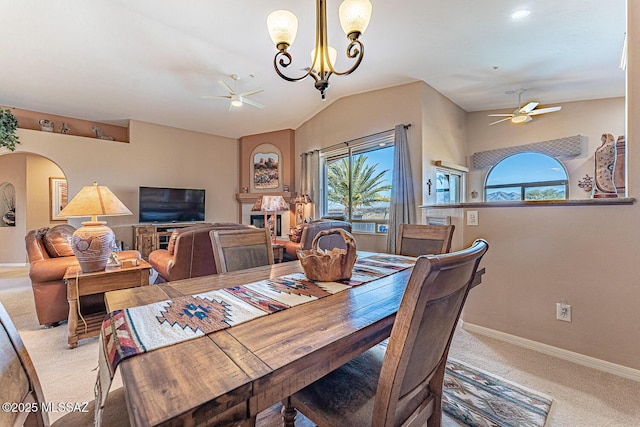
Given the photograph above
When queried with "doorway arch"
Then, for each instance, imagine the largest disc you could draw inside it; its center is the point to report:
(29, 175)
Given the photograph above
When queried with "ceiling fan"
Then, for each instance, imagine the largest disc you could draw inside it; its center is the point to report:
(237, 99)
(523, 114)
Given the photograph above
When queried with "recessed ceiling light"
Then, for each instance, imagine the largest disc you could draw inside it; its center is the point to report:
(520, 14)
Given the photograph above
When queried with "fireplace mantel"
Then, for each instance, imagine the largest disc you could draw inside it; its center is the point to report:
(250, 198)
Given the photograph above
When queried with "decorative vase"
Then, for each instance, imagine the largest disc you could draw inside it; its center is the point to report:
(92, 244)
(605, 161)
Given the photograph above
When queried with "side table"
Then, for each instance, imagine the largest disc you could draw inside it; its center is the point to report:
(278, 252)
(80, 284)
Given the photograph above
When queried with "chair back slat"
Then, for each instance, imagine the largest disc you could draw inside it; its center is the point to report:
(241, 249)
(417, 351)
(418, 239)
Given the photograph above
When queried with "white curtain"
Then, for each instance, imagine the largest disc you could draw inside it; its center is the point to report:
(403, 206)
(310, 174)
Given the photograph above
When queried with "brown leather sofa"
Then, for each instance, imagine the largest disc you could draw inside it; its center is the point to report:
(49, 251)
(189, 253)
(303, 235)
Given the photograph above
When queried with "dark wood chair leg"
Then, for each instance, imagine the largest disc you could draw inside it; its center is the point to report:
(288, 413)
(436, 387)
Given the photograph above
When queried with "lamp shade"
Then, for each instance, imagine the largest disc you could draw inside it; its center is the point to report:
(355, 16)
(94, 241)
(282, 26)
(94, 200)
(270, 203)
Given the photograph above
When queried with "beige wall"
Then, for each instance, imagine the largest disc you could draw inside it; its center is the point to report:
(587, 118)
(436, 132)
(38, 172)
(156, 156)
(587, 255)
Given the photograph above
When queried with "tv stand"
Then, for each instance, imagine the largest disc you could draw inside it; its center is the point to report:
(152, 236)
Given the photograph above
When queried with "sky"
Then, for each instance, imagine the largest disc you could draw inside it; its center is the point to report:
(527, 167)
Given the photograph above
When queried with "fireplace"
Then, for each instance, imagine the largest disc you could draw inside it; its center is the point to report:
(258, 221)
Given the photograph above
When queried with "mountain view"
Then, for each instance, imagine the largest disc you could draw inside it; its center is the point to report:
(500, 196)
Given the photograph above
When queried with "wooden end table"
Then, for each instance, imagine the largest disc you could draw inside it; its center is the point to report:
(278, 252)
(81, 284)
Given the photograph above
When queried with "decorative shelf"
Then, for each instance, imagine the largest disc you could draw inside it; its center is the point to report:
(252, 197)
(77, 127)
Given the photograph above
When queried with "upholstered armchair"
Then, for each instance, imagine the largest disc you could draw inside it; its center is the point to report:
(49, 251)
(302, 237)
(189, 253)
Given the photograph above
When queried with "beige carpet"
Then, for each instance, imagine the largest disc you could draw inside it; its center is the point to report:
(582, 396)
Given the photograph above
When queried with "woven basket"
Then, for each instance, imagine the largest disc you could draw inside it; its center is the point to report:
(329, 265)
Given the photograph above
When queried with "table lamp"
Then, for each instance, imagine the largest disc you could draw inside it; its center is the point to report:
(300, 202)
(270, 203)
(94, 241)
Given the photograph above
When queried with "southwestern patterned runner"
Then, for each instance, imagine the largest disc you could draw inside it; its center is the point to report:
(129, 332)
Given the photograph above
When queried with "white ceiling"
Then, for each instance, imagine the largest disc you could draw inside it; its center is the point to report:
(114, 60)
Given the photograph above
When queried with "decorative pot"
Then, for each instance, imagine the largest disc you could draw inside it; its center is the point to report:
(329, 265)
(46, 125)
(92, 245)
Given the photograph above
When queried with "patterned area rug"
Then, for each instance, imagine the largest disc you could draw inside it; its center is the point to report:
(476, 398)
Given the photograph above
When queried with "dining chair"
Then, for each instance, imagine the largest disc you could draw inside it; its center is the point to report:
(418, 239)
(399, 382)
(20, 387)
(241, 249)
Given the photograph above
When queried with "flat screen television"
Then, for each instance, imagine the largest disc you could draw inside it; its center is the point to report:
(170, 204)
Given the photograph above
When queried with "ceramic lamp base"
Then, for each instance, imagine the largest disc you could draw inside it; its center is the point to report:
(92, 244)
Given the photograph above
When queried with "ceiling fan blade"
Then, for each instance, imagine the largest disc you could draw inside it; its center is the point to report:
(528, 108)
(226, 86)
(500, 115)
(252, 102)
(216, 97)
(251, 92)
(545, 110)
(502, 120)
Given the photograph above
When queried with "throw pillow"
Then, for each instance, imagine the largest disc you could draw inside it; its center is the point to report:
(296, 235)
(57, 240)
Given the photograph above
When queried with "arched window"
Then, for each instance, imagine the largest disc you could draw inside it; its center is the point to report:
(527, 176)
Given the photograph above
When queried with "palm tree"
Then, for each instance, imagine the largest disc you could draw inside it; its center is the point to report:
(368, 184)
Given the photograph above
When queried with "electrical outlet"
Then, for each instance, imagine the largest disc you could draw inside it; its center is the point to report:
(563, 312)
(472, 217)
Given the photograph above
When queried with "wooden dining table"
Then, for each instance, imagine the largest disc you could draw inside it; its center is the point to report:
(227, 377)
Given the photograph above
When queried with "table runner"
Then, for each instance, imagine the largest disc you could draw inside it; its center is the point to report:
(136, 330)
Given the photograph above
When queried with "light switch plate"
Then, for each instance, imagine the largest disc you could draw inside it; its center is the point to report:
(472, 217)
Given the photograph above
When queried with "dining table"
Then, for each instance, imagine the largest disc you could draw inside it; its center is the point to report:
(228, 376)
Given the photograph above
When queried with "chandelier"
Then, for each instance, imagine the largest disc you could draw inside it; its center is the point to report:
(283, 25)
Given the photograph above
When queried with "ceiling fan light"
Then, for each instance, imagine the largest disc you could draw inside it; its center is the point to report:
(520, 14)
(283, 27)
(355, 16)
(236, 103)
(519, 119)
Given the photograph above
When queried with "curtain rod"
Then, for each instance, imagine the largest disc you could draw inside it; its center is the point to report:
(350, 141)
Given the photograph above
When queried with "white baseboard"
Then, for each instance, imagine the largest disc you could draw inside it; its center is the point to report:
(581, 359)
(14, 264)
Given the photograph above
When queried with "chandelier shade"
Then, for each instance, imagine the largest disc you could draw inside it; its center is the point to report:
(354, 19)
(283, 26)
(355, 16)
